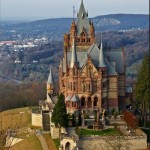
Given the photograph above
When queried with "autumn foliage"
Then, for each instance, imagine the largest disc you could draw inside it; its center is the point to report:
(130, 119)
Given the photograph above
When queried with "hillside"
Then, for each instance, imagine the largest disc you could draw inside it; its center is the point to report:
(135, 44)
(130, 30)
(55, 28)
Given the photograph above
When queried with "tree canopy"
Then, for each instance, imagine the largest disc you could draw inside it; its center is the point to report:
(59, 116)
(142, 90)
(142, 85)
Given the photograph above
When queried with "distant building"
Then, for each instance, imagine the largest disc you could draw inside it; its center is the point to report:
(90, 77)
(17, 61)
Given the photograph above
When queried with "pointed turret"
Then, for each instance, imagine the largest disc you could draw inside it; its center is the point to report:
(50, 83)
(50, 78)
(102, 63)
(74, 55)
(82, 20)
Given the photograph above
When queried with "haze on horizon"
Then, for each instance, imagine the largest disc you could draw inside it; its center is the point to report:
(39, 9)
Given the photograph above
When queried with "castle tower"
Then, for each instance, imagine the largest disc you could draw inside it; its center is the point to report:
(90, 77)
(50, 84)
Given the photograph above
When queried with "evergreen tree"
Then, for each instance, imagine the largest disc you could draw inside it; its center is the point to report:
(59, 115)
(142, 90)
(79, 120)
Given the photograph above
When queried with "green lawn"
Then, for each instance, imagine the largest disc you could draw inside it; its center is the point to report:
(57, 143)
(16, 118)
(86, 132)
(30, 143)
(51, 144)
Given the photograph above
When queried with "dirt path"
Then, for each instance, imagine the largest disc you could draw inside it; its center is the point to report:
(43, 142)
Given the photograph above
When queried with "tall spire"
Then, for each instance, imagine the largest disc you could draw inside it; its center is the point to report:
(50, 78)
(74, 55)
(101, 56)
(82, 20)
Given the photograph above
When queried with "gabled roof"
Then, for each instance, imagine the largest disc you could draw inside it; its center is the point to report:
(82, 20)
(50, 78)
(68, 98)
(113, 59)
(117, 57)
(74, 98)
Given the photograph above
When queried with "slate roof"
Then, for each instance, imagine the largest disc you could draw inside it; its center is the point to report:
(117, 57)
(74, 98)
(102, 62)
(112, 59)
(82, 20)
(68, 98)
(110, 68)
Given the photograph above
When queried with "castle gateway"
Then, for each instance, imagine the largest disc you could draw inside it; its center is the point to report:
(89, 76)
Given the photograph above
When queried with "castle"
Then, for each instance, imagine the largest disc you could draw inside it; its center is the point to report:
(89, 76)
(91, 79)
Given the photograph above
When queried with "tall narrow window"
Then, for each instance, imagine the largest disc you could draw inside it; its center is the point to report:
(71, 86)
(74, 86)
(82, 102)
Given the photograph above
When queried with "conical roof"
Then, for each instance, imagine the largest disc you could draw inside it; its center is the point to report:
(82, 20)
(74, 55)
(101, 57)
(50, 78)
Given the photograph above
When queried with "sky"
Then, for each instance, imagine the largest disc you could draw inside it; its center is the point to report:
(45, 9)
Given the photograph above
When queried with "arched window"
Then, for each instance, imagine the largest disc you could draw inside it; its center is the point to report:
(95, 101)
(89, 103)
(83, 86)
(83, 102)
(68, 146)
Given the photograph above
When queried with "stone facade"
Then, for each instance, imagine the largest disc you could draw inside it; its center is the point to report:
(111, 143)
(90, 77)
(68, 143)
(54, 132)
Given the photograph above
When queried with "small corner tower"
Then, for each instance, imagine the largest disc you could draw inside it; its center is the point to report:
(50, 83)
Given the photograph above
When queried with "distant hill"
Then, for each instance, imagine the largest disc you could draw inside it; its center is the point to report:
(55, 28)
(135, 43)
(121, 22)
(130, 30)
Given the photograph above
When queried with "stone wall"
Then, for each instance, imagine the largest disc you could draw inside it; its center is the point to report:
(54, 132)
(111, 143)
(37, 119)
